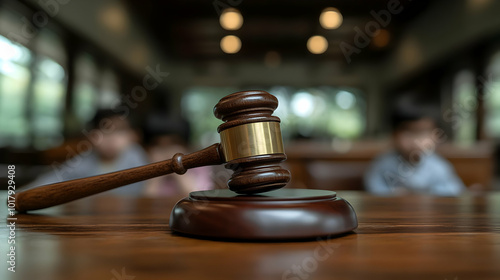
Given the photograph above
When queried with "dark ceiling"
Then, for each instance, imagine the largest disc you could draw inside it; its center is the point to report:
(190, 29)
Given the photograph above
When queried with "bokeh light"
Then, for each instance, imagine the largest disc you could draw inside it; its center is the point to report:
(230, 44)
(302, 104)
(317, 44)
(345, 99)
(382, 38)
(231, 19)
(114, 18)
(330, 18)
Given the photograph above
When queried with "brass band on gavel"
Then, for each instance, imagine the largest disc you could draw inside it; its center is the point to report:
(260, 138)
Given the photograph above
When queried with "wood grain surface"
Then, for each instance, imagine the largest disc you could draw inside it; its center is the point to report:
(117, 238)
(283, 214)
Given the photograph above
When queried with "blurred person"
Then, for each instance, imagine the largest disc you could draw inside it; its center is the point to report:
(413, 166)
(165, 136)
(114, 148)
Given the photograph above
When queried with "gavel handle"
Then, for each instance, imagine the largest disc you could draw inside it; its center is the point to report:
(59, 193)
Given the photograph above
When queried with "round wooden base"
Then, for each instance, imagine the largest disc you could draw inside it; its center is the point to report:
(275, 215)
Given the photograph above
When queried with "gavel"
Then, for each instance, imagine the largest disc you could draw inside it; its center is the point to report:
(251, 145)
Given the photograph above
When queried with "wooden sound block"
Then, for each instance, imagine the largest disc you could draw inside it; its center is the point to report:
(276, 215)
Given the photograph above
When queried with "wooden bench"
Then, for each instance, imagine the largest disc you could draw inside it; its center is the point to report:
(320, 165)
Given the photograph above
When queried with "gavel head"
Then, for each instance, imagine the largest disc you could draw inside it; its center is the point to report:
(251, 142)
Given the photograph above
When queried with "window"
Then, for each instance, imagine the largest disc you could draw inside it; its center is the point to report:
(49, 92)
(314, 112)
(109, 93)
(15, 79)
(326, 112)
(464, 105)
(32, 94)
(85, 90)
(492, 97)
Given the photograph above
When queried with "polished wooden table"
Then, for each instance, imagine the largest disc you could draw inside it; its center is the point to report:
(126, 238)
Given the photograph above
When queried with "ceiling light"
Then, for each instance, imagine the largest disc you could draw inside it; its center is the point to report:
(317, 44)
(231, 19)
(230, 44)
(330, 18)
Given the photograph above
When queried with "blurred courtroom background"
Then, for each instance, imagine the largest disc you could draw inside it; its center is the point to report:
(336, 67)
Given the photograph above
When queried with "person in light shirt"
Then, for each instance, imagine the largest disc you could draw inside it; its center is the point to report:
(114, 147)
(412, 166)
